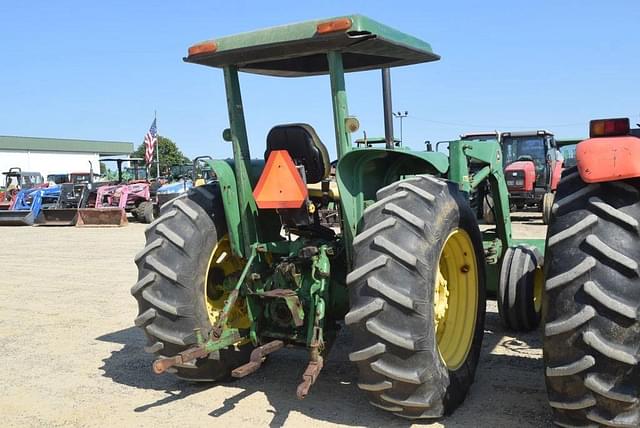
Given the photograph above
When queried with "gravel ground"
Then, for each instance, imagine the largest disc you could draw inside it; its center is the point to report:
(70, 356)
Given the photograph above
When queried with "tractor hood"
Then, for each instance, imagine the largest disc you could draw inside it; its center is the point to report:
(176, 187)
(520, 175)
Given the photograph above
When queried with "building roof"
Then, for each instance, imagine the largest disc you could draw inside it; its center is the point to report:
(8, 142)
(300, 49)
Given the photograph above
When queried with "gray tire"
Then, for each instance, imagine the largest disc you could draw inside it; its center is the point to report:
(170, 290)
(518, 297)
(392, 289)
(592, 296)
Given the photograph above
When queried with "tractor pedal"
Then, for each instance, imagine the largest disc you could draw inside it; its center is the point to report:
(258, 356)
(309, 377)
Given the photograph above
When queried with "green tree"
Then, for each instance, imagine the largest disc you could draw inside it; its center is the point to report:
(170, 154)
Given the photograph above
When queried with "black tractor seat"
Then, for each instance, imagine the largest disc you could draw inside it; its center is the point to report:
(304, 147)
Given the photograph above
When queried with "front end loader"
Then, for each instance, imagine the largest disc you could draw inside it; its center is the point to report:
(28, 204)
(239, 268)
(107, 204)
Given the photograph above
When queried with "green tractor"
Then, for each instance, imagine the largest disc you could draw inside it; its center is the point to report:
(237, 269)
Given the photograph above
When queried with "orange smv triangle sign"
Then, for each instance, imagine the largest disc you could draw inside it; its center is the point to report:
(280, 185)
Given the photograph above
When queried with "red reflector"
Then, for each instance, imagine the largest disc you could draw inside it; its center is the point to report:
(280, 185)
(341, 24)
(609, 127)
(202, 48)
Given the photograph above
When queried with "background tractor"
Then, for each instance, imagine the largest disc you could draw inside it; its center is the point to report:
(533, 165)
(15, 180)
(107, 204)
(592, 290)
(239, 268)
(184, 177)
(27, 205)
(74, 194)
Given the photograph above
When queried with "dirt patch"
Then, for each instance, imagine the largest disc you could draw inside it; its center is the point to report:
(70, 356)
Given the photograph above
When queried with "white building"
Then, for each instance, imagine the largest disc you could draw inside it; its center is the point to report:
(55, 155)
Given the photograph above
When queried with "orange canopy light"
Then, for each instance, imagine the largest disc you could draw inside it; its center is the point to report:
(203, 48)
(280, 185)
(341, 24)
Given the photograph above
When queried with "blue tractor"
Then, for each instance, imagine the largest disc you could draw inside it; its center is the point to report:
(28, 204)
(185, 177)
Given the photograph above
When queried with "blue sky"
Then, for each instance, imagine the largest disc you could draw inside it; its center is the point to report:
(98, 70)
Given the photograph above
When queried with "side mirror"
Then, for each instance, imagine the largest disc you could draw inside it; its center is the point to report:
(226, 135)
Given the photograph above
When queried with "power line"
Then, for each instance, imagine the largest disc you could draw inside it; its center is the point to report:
(470, 125)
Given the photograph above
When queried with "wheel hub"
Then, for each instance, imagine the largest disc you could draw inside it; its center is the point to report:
(455, 299)
(441, 300)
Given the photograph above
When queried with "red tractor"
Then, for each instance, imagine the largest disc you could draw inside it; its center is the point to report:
(592, 291)
(533, 165)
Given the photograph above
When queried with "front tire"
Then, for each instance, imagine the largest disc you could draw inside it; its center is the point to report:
(520, 288)
(176, 278)
(419, 250)
(592, 296)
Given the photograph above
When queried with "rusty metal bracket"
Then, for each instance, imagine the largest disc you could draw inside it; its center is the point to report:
(258, 356)
(316, 363)
(161, 365)
(309, 377)
(292, 301)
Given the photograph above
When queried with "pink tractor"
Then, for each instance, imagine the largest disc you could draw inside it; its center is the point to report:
(533, 166)
(131, 193)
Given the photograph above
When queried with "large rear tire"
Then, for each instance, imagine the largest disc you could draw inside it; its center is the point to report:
(592, 296)
(417, 298)
(180, 274)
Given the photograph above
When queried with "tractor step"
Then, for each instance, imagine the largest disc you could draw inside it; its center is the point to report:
(258, 356)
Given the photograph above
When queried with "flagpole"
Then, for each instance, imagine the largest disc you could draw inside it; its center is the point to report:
(157, 147)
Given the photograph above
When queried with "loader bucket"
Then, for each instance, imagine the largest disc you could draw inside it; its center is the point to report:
(16, 218)
(98, 217)
(57, 217)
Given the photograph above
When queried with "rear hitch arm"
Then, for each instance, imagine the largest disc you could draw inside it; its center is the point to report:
(258, 356)
(221, 335)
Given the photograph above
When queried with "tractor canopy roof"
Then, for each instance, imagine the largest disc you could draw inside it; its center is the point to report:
(300, 49)
(480, 135)
(540, 132)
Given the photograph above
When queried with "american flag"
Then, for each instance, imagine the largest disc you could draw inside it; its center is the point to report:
(150, 141)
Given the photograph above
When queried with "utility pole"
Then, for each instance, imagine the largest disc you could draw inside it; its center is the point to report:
(400, 115)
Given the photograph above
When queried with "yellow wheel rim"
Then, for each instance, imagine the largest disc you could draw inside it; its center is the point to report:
(538, 286)
(223, 264)
(456, 299)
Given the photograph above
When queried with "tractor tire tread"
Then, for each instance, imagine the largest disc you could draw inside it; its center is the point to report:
(591, 302)
(170, 270)
(399, 368)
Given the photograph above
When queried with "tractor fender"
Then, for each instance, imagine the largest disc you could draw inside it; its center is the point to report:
(608, 159)
(529, 171)
(224, 170)
(362, 172)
